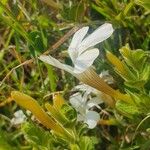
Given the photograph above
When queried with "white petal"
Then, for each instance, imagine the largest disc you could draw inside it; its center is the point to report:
(84, 87)
(107, 77)
(54, 62)
(18, 118)
(95, 101)
(85, 60)
(91, 119)
(99, 35)
(104, 73)
(76, 40)
(81, 87)
(19, 113)
(77, 102)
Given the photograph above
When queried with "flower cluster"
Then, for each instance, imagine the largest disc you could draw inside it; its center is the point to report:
(84, 103)
(83, 54)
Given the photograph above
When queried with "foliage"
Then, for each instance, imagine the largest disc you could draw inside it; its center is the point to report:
(31, 28)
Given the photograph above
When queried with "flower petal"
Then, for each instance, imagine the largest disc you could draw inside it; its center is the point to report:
(76, 40)
(99, 35)
(77, 102)
(91, 119)
(106, 77)
(54, 62)
(85, 88)
(18, 118)
(85, 60)
(95, 101)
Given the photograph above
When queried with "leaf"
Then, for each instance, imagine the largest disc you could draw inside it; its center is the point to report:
(121, 68)
(70, 113)
(4, 2)
(145, 145)
(39, 42)
(43, 21)
(134, 58)
(52, 77)
(62, 112)
(145, 75)
(143, 3)
(31, 104)
(127, 110)
(87, 143)
(74, 147)
(142, 101)
(102, 11)
(10, 19)
(37, 136)
(138, 65)
(74, 12)
(2, 52)
(53, 4)
(138, 84)
(5, 143)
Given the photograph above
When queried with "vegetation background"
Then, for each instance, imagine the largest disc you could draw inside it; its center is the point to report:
(30, 28)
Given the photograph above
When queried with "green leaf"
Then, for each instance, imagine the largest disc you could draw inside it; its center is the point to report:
(52, 77)
(144, 3)
(2, 54)
(39, 41)
(5, 143)
(81, 129)
(87, 143)
(43, 21)
(74, 147)
(37, 136)
(135, 84)
(9, 19)
(142, 101)
(65, 115)
(138, 67)
(4, 2)
(101, 11)
(134, 58)
(145, 75)
(74, 12)
(145, 145)
(70, 113)
(127, 110)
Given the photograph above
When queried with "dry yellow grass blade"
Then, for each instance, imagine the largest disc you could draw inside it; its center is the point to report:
(91, 78)
(31, 104)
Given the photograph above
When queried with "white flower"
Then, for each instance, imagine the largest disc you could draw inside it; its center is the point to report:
(80, 50)
(83, 107)
(18, 118)
(100, 96)
(83, 56)
(85, 88)
(107, 77)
